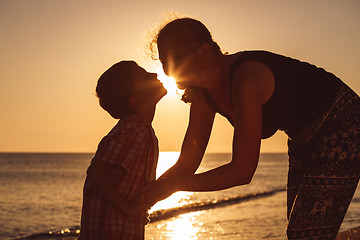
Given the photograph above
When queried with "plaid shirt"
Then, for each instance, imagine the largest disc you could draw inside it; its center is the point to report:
(133, 146)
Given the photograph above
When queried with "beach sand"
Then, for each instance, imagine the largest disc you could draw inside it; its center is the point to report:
(221, 223)
(237, 221)
(351, 234)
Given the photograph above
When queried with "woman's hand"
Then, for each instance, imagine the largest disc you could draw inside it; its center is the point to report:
(136, 206)
(196, 96)
(157, 191)
(133, 207)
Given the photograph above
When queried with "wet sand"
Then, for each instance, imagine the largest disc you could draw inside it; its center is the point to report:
(269, 221)
(351, 234)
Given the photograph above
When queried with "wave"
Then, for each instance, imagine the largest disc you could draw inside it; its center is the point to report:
(71, 233)
(172, 212)
(64, 234)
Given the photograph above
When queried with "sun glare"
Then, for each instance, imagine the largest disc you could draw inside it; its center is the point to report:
(166, 160)
(186, 226)
(168, 82)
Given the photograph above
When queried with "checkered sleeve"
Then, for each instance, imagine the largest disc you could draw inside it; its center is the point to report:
(123, 148)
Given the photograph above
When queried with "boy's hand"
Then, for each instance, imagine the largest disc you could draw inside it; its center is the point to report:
(141, 196)
(156, 191)
(131, 208)
(134, 207)
(137, 205)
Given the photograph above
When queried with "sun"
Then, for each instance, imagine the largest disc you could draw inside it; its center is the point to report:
(168, 82)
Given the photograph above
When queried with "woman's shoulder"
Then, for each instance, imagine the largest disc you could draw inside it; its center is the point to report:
(252, 76)
(252, 57)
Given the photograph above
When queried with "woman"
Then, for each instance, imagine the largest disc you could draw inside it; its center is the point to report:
(259, 93)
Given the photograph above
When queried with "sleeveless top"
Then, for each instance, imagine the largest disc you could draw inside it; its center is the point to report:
(302, 92)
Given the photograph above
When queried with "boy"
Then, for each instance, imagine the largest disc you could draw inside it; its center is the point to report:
(126, 158)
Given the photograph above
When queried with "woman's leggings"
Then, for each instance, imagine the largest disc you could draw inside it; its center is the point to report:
(324, 170)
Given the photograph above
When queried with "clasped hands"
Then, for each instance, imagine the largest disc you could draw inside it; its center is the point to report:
(153, 192)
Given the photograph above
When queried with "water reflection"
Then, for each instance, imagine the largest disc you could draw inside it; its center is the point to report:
(166, 160)
(177, 199)
(184, 226)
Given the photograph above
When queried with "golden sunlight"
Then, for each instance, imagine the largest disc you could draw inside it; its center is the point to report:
(166, 160)
(184, 227)
(168, 82)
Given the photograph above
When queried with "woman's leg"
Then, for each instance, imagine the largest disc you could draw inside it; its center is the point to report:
(320, 206)
(323, 175)
(297, 165)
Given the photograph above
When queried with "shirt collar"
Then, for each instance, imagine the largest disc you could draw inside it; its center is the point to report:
(137, 118)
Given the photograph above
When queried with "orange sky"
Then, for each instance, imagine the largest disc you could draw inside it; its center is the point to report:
(52, 53)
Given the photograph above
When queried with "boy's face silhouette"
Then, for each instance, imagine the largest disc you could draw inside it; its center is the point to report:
(146, 85)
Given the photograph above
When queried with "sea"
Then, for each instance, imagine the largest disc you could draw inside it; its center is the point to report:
(41, 198)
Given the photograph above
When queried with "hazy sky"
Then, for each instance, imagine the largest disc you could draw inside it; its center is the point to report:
(53, 51)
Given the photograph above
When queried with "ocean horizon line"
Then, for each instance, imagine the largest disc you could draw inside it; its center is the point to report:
(85, 152)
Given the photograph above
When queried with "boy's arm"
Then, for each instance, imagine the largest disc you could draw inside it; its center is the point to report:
(103, 175)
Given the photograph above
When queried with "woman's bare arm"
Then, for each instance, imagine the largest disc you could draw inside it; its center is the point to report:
(195, 142)
(249, 94)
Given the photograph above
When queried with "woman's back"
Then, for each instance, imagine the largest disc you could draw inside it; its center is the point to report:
(302, 91)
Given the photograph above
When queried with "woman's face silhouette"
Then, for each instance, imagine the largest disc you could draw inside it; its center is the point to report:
(180, 62)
